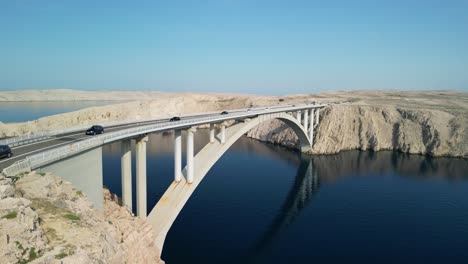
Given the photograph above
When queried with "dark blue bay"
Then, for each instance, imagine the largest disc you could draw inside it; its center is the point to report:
(264, 204)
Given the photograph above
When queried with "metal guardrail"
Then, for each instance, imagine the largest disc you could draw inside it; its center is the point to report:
(16, 141)
(47, 157)
(17, 167)
(27, 139)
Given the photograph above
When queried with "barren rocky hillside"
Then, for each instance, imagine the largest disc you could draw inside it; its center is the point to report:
(432, 123)
(44, 219)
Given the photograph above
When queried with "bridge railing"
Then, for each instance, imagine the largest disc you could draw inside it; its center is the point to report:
(47, 157)
(17, 167)
(26, 139)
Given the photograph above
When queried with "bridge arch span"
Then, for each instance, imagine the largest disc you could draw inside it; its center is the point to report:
(173, 200)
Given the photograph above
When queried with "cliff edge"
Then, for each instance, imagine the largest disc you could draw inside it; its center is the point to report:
(425, 123)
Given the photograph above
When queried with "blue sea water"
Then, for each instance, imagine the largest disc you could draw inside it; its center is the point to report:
(264, 204)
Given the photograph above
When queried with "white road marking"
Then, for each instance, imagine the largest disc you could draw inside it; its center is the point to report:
(38, 150)
(46, 140)
(69, 142)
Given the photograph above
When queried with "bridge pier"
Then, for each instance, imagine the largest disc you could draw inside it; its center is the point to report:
(177, 155)
(223, 134)
(126, 173)
(212, 133)
(190, 165)
(311, 129)
(317, 117)
(298, 116)
(141, 176)
(306, 119)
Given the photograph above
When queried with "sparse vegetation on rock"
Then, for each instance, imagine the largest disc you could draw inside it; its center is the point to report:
(51, 222)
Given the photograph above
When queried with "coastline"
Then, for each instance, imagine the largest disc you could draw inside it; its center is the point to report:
(431, 123)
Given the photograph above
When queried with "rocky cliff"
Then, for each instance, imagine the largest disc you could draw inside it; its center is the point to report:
(44, 219)
(415, 124)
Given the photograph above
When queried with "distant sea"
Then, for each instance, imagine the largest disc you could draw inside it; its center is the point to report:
(13, 112)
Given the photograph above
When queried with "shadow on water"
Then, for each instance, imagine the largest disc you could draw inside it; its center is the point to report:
(306, 184)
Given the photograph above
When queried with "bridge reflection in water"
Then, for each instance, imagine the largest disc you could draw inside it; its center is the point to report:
(313, 172)
(316, 170)
(306, 184)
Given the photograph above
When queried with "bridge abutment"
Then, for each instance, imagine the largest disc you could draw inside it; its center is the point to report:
(84, 171)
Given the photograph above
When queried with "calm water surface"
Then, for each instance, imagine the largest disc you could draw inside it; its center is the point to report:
(264, 204)
(12, 112)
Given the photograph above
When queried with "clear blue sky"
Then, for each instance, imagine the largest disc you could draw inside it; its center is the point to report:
(239, 46)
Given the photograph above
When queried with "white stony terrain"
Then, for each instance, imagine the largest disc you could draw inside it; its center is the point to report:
(162, 106)
(44, 219)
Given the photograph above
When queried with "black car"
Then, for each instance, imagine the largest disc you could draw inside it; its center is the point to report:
(5, 151)
(96, 129)
(224, 113)
(175, 118)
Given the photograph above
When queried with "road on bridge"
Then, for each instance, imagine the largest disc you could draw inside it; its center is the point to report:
(20, 152)
(60, 140)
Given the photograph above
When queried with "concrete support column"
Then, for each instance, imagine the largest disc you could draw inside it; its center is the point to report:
(126, 173)
(306, 119)
(317, 116)
(190, 164)
(141, 176)
(212, 133)
(177, 155)
(298, 116)
(223, 134)
(311, 130)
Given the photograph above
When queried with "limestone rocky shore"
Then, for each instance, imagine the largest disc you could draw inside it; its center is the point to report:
(44, 219)
(427, 123)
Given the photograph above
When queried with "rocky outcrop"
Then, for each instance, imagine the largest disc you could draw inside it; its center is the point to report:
(46, 220)
(369, 127)
(276, 132)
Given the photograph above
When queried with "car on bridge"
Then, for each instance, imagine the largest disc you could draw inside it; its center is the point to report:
(175, 118)
(96, 129)
(5, 151)
(224, 113)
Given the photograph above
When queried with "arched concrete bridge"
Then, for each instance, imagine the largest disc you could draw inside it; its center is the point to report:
(171, 203)
(81, 162)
